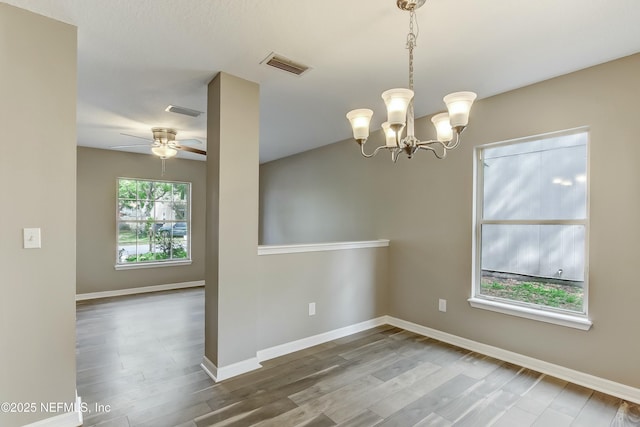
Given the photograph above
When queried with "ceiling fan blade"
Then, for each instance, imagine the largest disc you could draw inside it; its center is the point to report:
(190, 141)
(190, 149)
(136, 136)
(131, 146)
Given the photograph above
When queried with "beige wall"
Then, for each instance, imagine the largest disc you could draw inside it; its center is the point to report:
(425, 207)
(348, 287)
(98, 171)
(342, 205)
(38, 171)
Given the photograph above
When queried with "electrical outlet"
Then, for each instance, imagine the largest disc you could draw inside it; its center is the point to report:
(312, 309)
(442, 305)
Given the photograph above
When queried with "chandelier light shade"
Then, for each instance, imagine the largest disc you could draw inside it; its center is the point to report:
(389, 134)
(360, 120)
(459, 105)
(397, 102)
(443, 127)
(400, 114)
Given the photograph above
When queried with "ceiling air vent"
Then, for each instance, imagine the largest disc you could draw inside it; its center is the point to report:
(284, 64)
(183, 110)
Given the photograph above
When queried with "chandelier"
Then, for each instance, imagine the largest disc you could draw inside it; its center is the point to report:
(400, 115)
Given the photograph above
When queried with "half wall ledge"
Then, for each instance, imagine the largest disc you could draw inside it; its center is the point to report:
(320, 247)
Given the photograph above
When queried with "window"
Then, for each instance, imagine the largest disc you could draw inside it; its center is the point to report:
(153, 223)
(531, 228)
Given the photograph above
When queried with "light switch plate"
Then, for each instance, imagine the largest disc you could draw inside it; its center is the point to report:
(312, 309)
(31, 237)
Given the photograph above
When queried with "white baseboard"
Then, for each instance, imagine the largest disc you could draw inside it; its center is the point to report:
(622, 391)
(301, 344)
(226, 372)
(210, 368)
(141, 290)
(68, 419)
(229, 371)
(586, 380)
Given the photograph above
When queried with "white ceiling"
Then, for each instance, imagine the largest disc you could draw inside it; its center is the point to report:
(137, 56)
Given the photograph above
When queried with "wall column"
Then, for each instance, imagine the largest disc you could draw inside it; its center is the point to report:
(38, 171)
(232, 226)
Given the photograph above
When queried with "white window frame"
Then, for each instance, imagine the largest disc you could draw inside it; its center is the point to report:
(157, 263)
(515, 308)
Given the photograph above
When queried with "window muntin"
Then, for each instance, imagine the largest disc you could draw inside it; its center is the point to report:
(531, 223)
(153, 222)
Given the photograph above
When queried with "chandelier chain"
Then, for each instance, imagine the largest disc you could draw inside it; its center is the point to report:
(412, 37)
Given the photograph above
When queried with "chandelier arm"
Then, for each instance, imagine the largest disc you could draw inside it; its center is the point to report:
(430, 142)
(395, 154)
(434, 151)
(374, 151)
(451, 144)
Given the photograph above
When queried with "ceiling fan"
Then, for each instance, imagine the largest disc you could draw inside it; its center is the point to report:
(164, 143)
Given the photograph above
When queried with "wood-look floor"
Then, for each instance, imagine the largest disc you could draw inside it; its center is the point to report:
(139, 356)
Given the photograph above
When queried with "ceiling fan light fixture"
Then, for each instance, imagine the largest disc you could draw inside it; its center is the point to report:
(163, 135)
(164, 151)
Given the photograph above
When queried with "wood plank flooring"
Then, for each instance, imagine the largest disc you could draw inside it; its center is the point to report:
(139, 357)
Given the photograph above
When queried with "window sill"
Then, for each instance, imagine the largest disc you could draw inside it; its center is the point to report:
(152, 265)
(568, 320)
